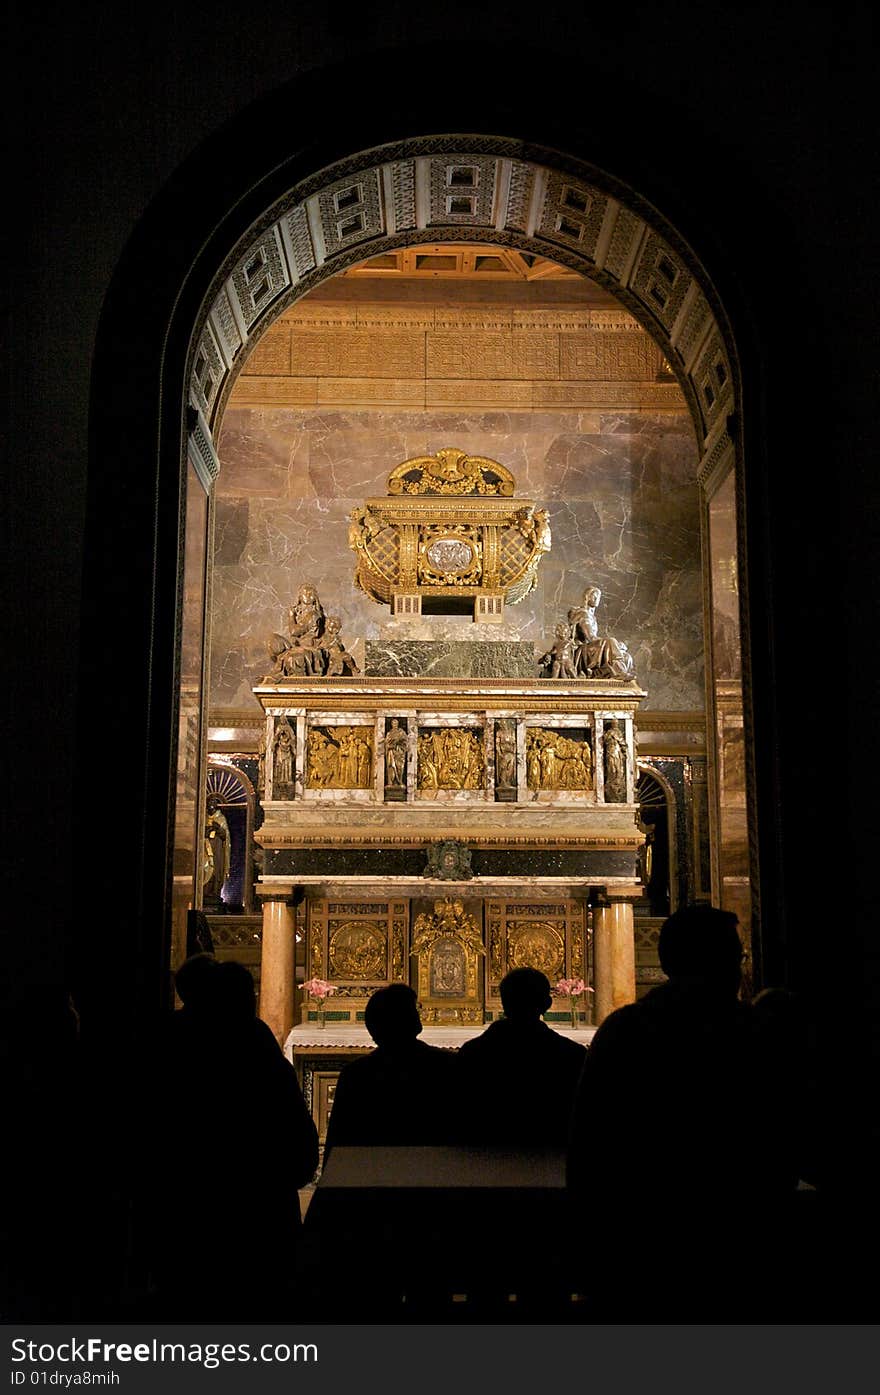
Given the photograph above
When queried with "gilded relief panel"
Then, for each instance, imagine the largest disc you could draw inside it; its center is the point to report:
(549, 936)
(339, 758)
(357, 946)
(558, 760)
(450, 758)
(536, 944)
(357, 949)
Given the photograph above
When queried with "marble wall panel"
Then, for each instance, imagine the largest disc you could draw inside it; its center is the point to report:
(619, 488)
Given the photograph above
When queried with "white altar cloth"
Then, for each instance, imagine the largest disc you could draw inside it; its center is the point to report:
(357, 1037)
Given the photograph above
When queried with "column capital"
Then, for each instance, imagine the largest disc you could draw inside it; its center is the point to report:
(280, 891)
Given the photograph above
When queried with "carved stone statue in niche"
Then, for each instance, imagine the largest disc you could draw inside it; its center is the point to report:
(449, 861)
(217, 852)
(614, 749)
(505, 755)
(312, 647)
(555, 761)
(594, 655)
(451, 758)
(395, 755)
(284, 753)
(339, 758)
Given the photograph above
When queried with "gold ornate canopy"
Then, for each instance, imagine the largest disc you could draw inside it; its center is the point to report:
(449, 528)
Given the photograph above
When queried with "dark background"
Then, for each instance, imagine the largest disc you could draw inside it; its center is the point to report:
(134, 135)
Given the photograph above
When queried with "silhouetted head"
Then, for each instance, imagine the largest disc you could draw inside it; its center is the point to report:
(525, 994)
(194, 979)
(392, 1015)
(701, 944)
(235, 998)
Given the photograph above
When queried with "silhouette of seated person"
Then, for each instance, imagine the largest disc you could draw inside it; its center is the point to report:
(401, 1093)
(677, 1150)
(517, 1079)
(237, 1143)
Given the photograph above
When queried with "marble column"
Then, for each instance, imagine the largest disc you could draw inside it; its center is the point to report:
(181, 902)
(614, 956)
(278, 965)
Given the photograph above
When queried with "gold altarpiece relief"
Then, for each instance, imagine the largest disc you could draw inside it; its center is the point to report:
(454, 951)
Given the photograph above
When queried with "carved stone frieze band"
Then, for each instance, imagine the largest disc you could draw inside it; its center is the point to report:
(481, 188)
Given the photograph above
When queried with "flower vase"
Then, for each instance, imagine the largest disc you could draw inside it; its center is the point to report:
(575, 1018)
(319, 1015)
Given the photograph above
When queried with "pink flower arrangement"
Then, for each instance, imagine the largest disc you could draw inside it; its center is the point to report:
(318, 988)
(571, 988)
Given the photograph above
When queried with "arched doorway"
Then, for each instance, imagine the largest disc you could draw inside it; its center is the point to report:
(486, 196)
(478, 190)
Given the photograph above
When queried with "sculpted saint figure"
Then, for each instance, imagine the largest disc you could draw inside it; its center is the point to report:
(614, 747)
(597, 656)
(217, 849)
(395, 754)
(505, 755)
(283, 755)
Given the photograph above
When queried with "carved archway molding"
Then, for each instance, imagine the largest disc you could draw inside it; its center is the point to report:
(468, 189)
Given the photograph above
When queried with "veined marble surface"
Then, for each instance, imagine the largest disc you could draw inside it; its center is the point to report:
(619, 488)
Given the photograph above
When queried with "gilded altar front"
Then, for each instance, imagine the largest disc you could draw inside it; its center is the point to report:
(453, 949)
(445, 831)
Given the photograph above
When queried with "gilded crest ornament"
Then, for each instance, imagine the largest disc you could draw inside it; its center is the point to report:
(450, 471)
(448, 920)
(449, 861)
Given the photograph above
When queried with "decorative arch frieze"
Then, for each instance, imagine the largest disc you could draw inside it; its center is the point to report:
(468, 189)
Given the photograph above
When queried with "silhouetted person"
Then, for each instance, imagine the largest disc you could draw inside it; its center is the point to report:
(401, 1094)
(677, 1154)
(517, 1079)
(237, 1144)
(43, 1264)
